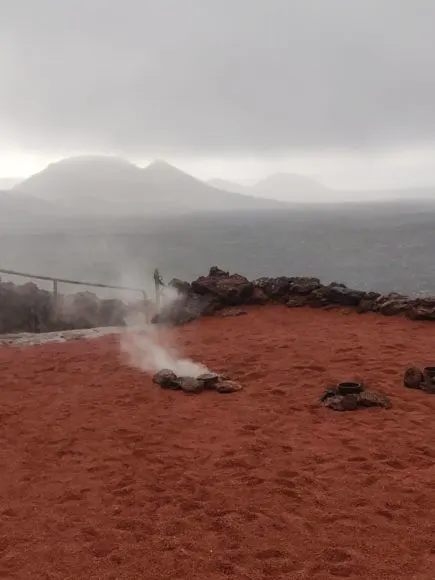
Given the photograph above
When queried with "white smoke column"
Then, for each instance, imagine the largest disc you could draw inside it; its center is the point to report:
(151, 349)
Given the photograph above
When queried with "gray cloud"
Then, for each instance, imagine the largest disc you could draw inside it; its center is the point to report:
(149, 77)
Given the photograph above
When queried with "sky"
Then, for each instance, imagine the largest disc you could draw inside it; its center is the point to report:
(340, 90)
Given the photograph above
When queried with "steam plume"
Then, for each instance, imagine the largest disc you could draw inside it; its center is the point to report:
(151, 349)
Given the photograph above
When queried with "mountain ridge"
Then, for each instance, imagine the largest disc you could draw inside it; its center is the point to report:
(286, 187)
(127, 188)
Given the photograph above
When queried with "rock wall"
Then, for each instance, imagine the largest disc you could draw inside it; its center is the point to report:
(27, 308)
(219, 290)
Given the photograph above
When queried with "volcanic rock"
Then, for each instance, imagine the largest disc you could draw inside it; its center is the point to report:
(340, 294)
(25, 308)
(392, 304)
(413, 378)
(428, 384)
(209, 380)
(373, 399)
(296, 301)
(206, 381)
(258, 297)
(228, 387)
(190, 384)
(277, 289)
(332, 399)
(421, 311)
(227, 289)
(366, 305)
(181, 286)
(304, 286)
(166, 379)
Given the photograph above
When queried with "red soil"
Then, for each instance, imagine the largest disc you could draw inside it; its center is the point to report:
(104, 475)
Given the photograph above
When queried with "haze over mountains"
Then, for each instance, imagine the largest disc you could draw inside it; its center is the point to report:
(9, 182)
(113, 186)
(290, 187)
(87, 187)
(101, 218)
(281, 186)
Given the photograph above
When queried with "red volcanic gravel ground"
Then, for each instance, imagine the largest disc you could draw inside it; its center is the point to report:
(105, 475)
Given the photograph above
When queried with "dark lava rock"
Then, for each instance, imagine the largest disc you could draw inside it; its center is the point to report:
(341, 403)
(344, 296)
(209, 380)
(421, 311)
(304, 286)
(258, 297)
(296, 301)
(181, 286)
(366, 305)
(166, 379)
(413, 378)
(284, 288)
(277, 289)
(190, 384)
(428, 384)
(25, 308)
(332, 399)
(337, 294)
(227, 289)
(372, 399)
(416, 379)
(392, 304)
(228, 387)
(349, 402)
(332, 392)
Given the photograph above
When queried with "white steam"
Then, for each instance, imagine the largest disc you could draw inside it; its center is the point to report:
(151, 349)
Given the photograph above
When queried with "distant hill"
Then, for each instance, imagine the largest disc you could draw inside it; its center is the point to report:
(299, 189)
(21, 209)
(9, 182)
(287, 187)
(109, 185)
(225, 185)
(291, 187)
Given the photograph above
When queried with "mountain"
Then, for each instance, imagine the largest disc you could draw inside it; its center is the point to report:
(23, 210)
(113, 186)
(291, 187)
(9, 182)
(230, 186)
(287, 187)
(85, 184)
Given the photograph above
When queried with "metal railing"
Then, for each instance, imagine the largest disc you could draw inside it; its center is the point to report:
(75, 282)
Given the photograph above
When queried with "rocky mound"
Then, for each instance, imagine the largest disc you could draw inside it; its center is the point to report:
(352, 396)
(27, 308)
(167, 379)
(220, 290)
(424, 380)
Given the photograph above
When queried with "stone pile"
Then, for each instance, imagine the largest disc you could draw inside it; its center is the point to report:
(423, 380)
(353, 396)
(27, 308)
(220, 290)
(167, 379)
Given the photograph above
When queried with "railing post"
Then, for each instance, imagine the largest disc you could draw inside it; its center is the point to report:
(55, 299)
(146, 307)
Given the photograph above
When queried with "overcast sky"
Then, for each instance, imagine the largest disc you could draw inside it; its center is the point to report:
(234, 88)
